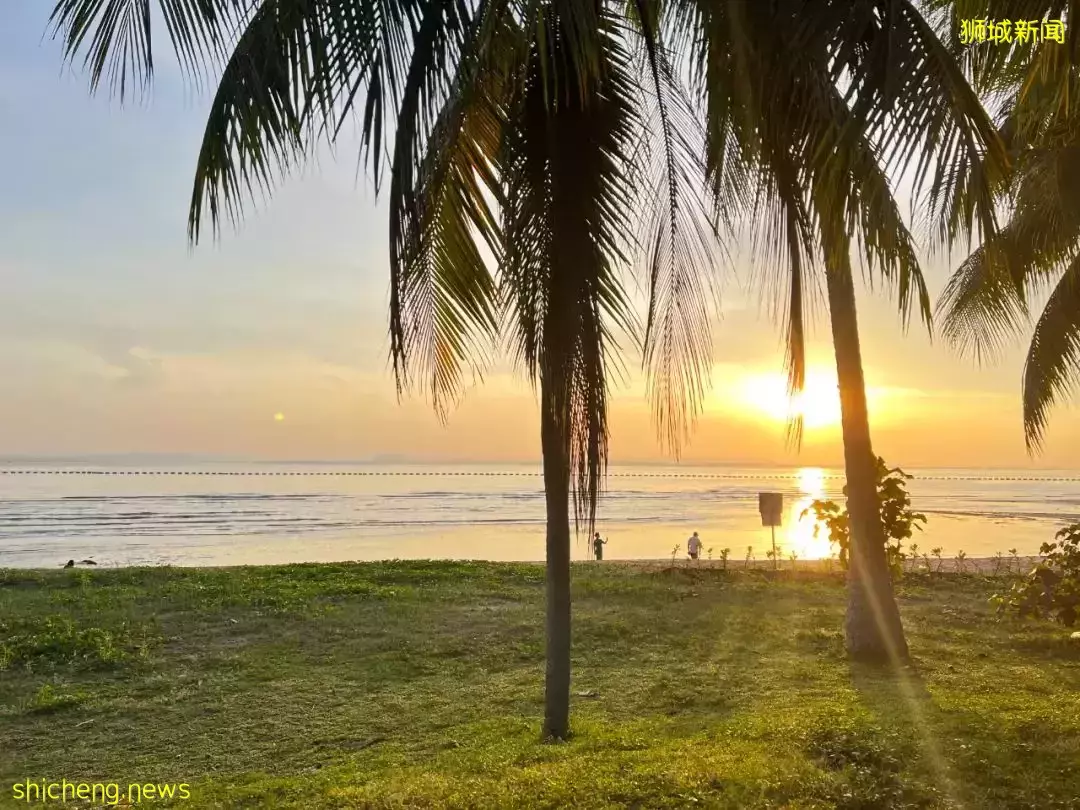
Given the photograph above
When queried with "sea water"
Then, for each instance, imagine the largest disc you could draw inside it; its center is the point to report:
(205, 512)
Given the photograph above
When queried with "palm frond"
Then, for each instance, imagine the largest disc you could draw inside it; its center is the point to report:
(442, 295)
(981, 306)
(997, 66)
(116, 37)
(853, 196)
(294, 76)
(566, 227)
(1052, 367)
(679, 244)
(986, 301)
(923, 115)
(750, 140)
(816, 173)
(255, 129)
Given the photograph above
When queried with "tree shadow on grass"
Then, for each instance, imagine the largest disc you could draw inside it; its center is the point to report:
(900, 702)
(967, 749)
(1049, 647)
(643, 661)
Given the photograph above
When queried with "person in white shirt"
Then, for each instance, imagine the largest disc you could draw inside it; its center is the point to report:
(693, 546)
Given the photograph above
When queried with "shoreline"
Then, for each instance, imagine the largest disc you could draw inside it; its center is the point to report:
(987, 566)
(971, 565)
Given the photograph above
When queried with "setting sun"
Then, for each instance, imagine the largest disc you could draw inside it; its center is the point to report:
(818, 404)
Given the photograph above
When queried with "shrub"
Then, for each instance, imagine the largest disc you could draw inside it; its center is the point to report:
(897, 517)
(1052, 588)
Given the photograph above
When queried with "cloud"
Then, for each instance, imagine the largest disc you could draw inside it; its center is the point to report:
(130, 328)
(125, 362)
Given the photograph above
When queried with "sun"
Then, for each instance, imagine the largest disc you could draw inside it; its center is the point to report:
(766, 395)
(279, 417)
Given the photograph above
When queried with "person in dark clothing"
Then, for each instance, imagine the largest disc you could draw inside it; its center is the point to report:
(598, 546)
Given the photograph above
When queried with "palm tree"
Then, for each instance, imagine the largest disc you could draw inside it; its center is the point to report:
(1036, 254)
(821, 107)
(572, 139)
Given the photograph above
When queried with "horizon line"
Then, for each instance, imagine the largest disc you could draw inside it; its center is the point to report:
(395, 460)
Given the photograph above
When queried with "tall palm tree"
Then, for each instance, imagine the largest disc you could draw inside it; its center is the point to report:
(1036, 254)
(822, 106)
(572, 139)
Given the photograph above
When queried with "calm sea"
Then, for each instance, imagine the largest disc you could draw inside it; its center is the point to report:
(219, 513)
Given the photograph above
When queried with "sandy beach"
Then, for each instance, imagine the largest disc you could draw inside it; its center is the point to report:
(987, 566)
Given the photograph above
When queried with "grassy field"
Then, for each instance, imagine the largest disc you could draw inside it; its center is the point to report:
(389, 685)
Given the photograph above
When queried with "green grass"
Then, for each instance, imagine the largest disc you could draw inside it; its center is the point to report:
(398, 684)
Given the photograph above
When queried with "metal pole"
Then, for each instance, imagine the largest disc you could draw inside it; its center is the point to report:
(774, 563)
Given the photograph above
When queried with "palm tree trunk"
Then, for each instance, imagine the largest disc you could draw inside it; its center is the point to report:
(873, 627)
(554, 441)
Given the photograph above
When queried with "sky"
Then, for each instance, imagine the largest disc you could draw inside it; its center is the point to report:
(116, 337)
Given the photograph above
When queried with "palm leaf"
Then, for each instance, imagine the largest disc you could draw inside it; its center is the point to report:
(1053, 359)
(566, 224)
(815, 151)
(294, 75)
(116, 36)
(442, 292)
(678, 244)
(986, 301)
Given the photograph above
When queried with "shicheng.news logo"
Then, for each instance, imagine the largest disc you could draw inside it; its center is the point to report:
(42, 791)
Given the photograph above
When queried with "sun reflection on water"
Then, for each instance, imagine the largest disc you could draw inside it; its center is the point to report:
(799, 536)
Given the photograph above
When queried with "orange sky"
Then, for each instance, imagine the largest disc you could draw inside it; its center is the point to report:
(115, 338)
(928, 409)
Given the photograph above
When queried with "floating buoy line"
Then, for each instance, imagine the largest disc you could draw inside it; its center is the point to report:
(495, 474)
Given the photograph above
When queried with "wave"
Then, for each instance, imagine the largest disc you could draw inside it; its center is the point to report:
(223, 524)
(214, 496)
(997, 515)
(145, 509)
(130, 516)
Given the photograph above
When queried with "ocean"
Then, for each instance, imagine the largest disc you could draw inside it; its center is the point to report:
(205, 513)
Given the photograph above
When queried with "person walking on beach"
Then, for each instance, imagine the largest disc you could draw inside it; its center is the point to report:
(598, 546)
(693, 546)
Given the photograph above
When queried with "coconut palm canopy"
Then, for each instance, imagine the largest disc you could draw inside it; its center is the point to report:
(1036, 255)
(535, 150)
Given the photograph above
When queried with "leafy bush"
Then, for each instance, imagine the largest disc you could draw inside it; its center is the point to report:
(1052, 589)
(897, 517)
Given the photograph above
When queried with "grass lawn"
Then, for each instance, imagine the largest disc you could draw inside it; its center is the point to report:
(415, 684)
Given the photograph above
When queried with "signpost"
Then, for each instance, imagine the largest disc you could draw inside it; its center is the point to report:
(771, 507)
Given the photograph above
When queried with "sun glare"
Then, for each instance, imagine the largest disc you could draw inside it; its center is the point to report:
(800, 535)
(819, 403)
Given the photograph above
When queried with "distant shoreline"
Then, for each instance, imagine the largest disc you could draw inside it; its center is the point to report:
(971, 565)
(987, 566)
